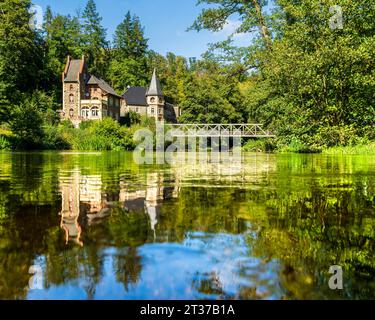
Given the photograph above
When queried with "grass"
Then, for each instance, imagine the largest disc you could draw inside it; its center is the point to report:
(358, 149)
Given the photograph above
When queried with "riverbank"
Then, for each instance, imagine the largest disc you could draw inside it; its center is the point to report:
(358, 149)
(363, 146)
(109, 135)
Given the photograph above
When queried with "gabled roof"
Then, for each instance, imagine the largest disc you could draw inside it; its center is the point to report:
(135, 96)
(103, 85)
(155, 88)
(73, 71)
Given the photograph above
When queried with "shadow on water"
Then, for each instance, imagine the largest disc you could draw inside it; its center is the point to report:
(101, 227)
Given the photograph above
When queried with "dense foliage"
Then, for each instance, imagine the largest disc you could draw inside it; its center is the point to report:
(311, 84)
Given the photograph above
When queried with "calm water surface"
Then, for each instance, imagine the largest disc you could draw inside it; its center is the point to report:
(98, 226)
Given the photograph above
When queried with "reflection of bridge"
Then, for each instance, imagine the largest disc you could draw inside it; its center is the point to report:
(219, 130)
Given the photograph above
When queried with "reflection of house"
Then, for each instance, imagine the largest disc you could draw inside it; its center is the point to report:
(70, 209)
(81, 195)
(149, 199)
(83, 200)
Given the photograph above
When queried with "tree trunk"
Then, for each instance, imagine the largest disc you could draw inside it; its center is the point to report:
(261, 22)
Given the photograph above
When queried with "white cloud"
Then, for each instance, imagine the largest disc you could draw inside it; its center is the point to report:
(229, 28)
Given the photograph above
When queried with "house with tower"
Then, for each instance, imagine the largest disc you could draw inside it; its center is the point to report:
(87, 97)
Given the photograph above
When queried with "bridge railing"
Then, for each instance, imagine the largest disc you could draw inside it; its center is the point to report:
(219, 130)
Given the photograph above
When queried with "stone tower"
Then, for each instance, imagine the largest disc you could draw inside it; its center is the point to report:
(155, 99)
(74, 80)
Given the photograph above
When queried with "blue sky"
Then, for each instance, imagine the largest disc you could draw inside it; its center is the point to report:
(165, 22)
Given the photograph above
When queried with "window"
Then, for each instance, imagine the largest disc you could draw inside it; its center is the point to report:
(160, 111)
(85, 112)
(136, 109)
(152, 110)
(71, 87)
(71, 113)
(152, 100)
(95, 98)
(161, 100)
(71, 98)
(95, 112)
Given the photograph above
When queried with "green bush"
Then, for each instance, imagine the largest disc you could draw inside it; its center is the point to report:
(5, 144)
(53, 139)
(26, 124)
(130, 119)
(259, 145)
(85, 124)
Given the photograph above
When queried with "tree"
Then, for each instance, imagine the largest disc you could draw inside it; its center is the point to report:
(21, 56)
(26, 123)
(211, 97)
(128, 66)
(62, 37)
(94, 38)
(129, 40)
(250, 13)
(316, 86)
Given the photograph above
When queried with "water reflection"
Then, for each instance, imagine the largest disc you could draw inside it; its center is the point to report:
(101, 227)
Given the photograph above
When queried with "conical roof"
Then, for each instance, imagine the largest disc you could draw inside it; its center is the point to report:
(155, 88)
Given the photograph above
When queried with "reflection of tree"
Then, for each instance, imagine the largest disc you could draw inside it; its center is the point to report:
(311, 228)
(299, 214)
(209, 284)
(128, 267)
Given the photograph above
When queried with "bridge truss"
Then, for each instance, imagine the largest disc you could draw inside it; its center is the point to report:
(219, 130)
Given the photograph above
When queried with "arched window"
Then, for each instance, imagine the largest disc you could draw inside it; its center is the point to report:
(71, 98)
(71, 113)
(85, 112)
(161, 100)
(152, 100)
(95, 112)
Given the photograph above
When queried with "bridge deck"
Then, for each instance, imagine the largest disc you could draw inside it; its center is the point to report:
(219, 130)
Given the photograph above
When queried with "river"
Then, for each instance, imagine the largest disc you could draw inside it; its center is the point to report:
(98, 226)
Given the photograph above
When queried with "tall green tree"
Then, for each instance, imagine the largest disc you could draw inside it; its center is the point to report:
(128, 66)
(21, 55)
(210, 96)
(94, 38)
(318, 85)
(62, 38)
(250, 13)
(129, 40)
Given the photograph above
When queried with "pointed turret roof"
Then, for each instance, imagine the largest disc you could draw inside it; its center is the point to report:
(155, 88)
